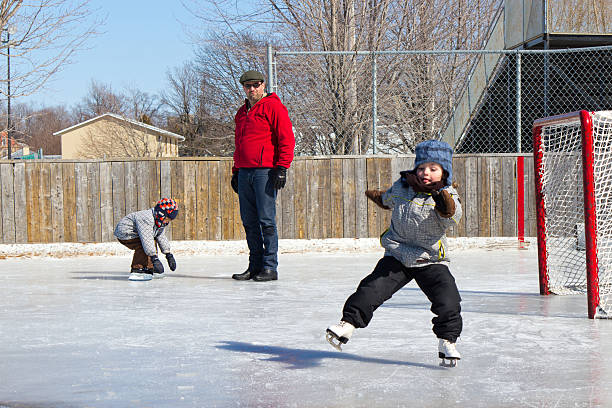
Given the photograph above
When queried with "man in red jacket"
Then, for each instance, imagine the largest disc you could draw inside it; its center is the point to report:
(264, 151)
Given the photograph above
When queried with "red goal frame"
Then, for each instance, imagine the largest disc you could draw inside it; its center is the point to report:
(590, 219)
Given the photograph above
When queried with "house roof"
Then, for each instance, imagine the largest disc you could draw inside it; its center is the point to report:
(118, 117)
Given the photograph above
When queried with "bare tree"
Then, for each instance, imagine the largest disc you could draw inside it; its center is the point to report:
(196, 111)
(42, 37)
(329, 96)
(100, 99)
(143, 107)
(36, 127)
(580, 16)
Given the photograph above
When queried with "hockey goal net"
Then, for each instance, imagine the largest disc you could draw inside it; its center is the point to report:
(573, 172)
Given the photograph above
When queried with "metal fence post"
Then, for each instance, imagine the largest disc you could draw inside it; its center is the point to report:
(518, 102)
(271, 79)
(374, 108)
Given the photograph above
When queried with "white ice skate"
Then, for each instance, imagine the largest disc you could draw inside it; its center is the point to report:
(140, 275)
(339, 334)
(448, 353)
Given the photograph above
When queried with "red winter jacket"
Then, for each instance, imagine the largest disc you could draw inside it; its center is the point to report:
(264, 135)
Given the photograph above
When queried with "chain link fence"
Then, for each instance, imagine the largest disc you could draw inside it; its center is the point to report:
(478, 101)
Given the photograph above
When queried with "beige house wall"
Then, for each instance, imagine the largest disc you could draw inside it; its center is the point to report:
(112, 137)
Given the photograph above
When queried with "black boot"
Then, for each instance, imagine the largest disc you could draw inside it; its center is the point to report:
(246, 275)
(266, 275)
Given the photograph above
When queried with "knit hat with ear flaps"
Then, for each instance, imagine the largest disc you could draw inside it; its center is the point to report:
(166, 207)
(438, 152)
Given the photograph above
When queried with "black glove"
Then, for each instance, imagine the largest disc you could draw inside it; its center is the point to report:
(157, 265)
(279, 177)
(235, 182)
(171, 261)
(445, 205)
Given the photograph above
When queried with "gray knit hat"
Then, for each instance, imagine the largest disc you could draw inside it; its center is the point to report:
(438, 152)
(251, 76)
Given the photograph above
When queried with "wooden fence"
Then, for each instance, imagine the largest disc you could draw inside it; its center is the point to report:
(82, 201)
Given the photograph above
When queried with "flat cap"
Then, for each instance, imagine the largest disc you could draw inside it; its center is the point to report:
(251, 76)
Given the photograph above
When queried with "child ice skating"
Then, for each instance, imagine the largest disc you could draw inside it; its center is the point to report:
(424, 204)
(142, 231)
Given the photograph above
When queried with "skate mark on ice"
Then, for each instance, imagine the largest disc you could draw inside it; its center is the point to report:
(303, 358)
(123, 277)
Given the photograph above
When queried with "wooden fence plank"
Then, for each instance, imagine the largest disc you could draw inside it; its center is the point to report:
(238, 228)
(337, 210)
(21, 216)
(373, 182)
(57, 202)
(44, 196)
(484, 211)
(93, 201)
(227, 200)
(361, 201)
(32, 202)
(459, 180)
(177, 178)
(530, 208)
(165, 179)
(202, 211)
(384, 183)
(107, 226)
(117, 171)
(189, 208)
(70, 216)
(300, 198)
(131, 187)
(312, 216)
(509, 197)
(471, 197)
(165, 188)
(325, 197)
(497, 218)
(143, 185)
(287, 206)
(8, 203)
(154, 183)
(214, 201)
(348, 199)
(82, 207)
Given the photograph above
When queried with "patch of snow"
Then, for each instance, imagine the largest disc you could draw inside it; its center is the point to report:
(286, 246)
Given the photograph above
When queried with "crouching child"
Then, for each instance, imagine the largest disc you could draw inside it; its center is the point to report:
(142, 231)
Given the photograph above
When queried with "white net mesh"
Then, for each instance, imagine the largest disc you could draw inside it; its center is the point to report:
(561, 177)
(602, 170)
(562, 190)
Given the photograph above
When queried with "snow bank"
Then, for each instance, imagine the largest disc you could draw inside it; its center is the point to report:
(286, 246)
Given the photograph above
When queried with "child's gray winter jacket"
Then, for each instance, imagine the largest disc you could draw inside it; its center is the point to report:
(417, 234)
(141, 224)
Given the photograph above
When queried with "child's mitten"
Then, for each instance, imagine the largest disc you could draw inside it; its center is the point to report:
(157, 265)
(445, 205)
(171, 261)
(376, 197)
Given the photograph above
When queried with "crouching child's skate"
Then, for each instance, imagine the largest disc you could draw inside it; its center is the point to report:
(449, 356)
(339, 334)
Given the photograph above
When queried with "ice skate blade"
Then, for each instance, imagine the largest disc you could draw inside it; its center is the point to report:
(334, 340)
(449, 362)
(139, 277)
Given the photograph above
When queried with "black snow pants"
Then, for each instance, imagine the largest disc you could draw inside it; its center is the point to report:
(389, 276)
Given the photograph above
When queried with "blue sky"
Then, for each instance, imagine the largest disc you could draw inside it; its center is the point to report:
(141, 40)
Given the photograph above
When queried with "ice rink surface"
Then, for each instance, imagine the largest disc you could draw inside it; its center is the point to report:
(75, 333)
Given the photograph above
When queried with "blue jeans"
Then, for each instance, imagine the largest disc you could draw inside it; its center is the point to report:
(257, 199)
